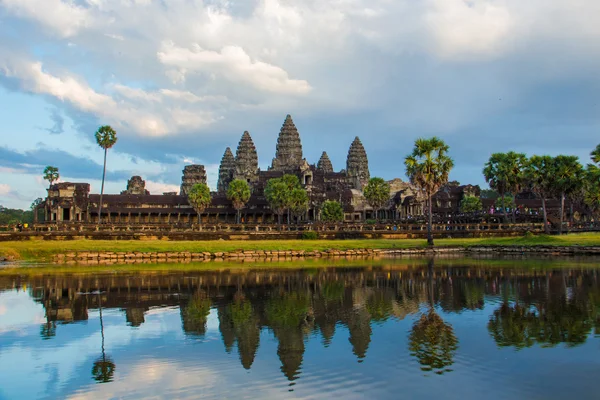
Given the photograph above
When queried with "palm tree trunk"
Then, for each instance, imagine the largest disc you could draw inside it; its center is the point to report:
(546, 230)
(102, 189)
(429, 223)
(504, 208)
(562, 211)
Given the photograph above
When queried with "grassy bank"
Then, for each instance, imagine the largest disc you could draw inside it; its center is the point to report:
(38, 250)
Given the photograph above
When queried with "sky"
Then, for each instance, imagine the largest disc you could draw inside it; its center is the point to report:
(181, 80)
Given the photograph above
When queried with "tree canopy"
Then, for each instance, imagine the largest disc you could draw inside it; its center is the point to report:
(239, 194)
(377, 193)
(51, 174)
(332, 211)
(199, 197)
(470, 204)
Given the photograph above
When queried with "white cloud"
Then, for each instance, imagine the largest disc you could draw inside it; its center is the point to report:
(64, 18)
(235, 64)
(4, 189)
(160, 187)
(469, 27)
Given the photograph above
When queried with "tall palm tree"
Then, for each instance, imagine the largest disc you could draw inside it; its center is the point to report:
(104, 367)
(428, 168)
(540, 175)
(567, 177)
(239, 194)
(515, 165)
(106, 137)
(199, 198)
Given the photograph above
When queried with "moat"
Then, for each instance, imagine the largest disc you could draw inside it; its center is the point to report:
(455, 328)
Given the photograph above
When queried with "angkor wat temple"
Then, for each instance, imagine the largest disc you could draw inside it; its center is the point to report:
(73, 202)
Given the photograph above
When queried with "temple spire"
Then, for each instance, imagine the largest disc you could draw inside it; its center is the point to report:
(288, 156)
(324, 163)
(357, 164)
(246, 159)
(226, 171)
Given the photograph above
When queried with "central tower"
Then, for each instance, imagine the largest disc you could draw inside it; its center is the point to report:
(288, 156)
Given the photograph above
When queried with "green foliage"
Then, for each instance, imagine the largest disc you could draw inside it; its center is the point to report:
(298, 201)
(505, 172)
(286, 193)
(429, 166)
(332, 211)
(568, 174)
(539, 173)
(506, 201)
(377, 193)
(433, 343)
(103, 370)
(9, 216)
(106, 137)
(288, 310)
(310, 235)
(51, 174)
(238, 193)
(470, 204)
(199, 197)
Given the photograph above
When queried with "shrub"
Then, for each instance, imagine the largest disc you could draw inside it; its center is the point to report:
(310, 235)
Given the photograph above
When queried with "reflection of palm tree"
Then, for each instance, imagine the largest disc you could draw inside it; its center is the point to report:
(432, 341)
(195, 315)
(104, 368)
(511, 326)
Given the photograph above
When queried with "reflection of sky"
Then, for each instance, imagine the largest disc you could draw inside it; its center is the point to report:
(157, 360)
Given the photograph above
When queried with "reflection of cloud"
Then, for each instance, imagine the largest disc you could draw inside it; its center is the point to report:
(19, 312)
(147, 378)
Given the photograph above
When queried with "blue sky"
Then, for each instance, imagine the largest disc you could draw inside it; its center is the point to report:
(181, 80)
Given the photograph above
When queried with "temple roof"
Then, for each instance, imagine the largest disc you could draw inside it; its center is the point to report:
(288, 155)
(324, 163)
(226, 170)
(246, 157)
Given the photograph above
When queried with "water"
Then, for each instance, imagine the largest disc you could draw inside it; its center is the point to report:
(403, 329)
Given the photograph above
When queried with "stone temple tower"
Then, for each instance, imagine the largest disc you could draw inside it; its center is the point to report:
(357, 165)
(288, 156)
(192, 174)
(226, 171)
(246, 160)
(324, 163)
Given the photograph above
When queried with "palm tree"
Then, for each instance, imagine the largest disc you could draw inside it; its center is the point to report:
(239, 194)
(515, 165)
(104, 368)
(51, 174)
(432, 341)
(377, 193)
(567, 177)
(106, 137)
(199, 198)
(298, 202)
(428, 168)
(540, 176)
(504, 172)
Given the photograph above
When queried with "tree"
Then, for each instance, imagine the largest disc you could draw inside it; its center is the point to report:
(106, 137)
(278, 193)
(540, 176)
(332, 211)
(592, 182)
(51, 174)
(568, 175)
(377, 193)
(505, 173)
(428, 168)
(470, 204)
(104, 367)
(239, 194)
(35, 208)
(199, 198)
(298, 202)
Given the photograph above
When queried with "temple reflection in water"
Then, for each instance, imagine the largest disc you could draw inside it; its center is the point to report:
(530, 307)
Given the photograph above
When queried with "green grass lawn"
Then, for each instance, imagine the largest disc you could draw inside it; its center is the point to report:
(42, 250)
